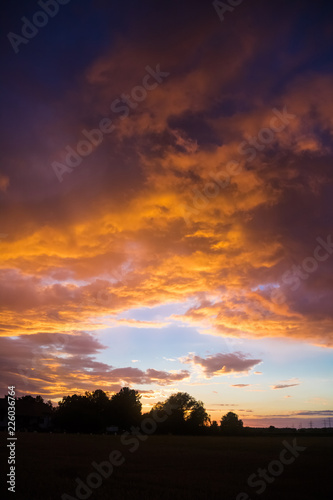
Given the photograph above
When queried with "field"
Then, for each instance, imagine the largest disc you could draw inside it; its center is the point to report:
(169, 467)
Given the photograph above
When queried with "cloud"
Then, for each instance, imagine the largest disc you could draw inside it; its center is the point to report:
(148, 394)
(226, 404)
(282, 386)
(60, 271)
(240, 385)
(53, 365)
(309, 413)
(4, 182)
(137, 223)
(304, 413)
(142, 324)
(285, 384)
(221, 364)
(186, 144)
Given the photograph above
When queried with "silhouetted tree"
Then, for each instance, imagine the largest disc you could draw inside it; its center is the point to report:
(126, 408)
(230, 424)
(214, 428)
(198, 417)
(90, 412)
(94, 411)
(33, 401)
(33, 413)
(75, 414)
(187, 415)
(101, 408)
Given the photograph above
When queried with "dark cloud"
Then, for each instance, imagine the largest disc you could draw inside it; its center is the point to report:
(283, 386)
(221, 364)
(303, 413)
(226, 404)
(309, 413)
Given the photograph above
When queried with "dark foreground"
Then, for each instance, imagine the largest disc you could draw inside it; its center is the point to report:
(170, 468)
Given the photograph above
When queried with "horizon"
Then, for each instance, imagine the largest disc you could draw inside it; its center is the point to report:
(280, 423)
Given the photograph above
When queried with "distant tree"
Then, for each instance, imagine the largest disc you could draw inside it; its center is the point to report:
(75, 414)
(33, 413)
(187, 416)
(126, 408)
(100, 406)
(214, 428)
(83, 413)
(198, 417)
(230, 424)
(34, 402)
(159, 410)
(94, 411)
(99, 400)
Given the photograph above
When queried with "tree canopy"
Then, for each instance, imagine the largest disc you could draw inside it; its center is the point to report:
(94, 411)
(126, 408)
(188, 415)
(230, 424)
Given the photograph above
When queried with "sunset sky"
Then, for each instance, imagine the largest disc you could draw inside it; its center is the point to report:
(166, 203)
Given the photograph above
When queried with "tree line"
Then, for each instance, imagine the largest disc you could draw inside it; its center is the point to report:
(96, 412)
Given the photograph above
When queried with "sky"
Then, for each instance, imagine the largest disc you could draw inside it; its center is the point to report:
(166, 203)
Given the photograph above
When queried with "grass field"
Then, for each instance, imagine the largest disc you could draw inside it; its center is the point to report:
(168, 467)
